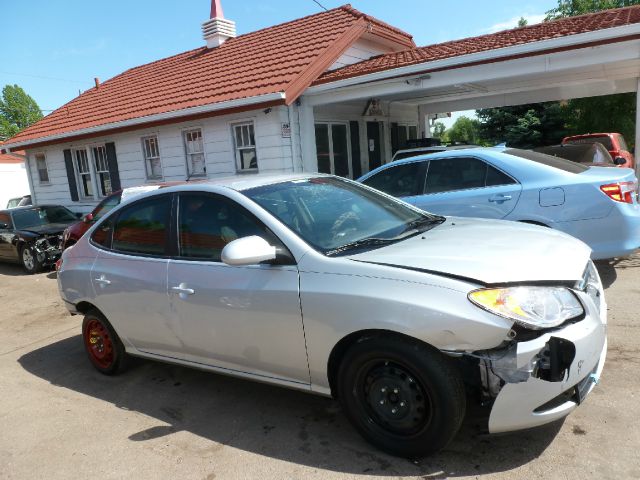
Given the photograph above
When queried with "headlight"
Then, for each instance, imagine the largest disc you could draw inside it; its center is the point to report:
(531, 307)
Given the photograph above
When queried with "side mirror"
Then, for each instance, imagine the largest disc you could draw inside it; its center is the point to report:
(619, 161)
(88, 218)
(248, 251)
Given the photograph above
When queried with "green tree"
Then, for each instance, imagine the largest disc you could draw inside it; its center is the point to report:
(439, 129)
(523, 22)
(611, 113)
(523, 126)
(17, 111)
(464, 130)
(570, 8)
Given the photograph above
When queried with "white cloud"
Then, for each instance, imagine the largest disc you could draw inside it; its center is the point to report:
(513, 22)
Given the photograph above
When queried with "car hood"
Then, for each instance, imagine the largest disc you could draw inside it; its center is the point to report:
(49, 229)
(488, 252)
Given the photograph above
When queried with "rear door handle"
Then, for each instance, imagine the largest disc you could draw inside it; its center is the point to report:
(102, 280)
(500, 198)
(182, 290)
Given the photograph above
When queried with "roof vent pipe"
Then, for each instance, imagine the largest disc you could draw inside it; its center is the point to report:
(217, 29)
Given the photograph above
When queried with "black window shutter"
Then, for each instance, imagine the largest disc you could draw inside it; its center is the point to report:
(355, 150)
(113, 166)
(71, 175)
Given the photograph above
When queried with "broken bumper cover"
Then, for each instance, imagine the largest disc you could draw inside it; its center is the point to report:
(530, 401)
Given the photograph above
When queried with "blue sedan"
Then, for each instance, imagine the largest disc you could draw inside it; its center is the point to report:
(598, 205)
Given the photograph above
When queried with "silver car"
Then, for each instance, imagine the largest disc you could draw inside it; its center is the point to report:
(324, 285)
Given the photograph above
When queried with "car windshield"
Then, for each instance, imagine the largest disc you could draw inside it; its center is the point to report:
(603, 139)
(39, 216)
(105, 207)
(335, 216)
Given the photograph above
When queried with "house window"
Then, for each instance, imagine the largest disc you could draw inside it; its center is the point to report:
(83, 171)
(245, 144)
(41, 165)
(194, 147)
(102, 170)
(401, 133)
(152, 157)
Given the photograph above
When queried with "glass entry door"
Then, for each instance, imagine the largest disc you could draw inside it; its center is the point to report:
(332, 145)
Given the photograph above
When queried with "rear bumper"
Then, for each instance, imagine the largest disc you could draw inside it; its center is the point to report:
(616, 235)
(534, 401)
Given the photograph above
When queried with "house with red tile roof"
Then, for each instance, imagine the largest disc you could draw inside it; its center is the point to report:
(335, 92)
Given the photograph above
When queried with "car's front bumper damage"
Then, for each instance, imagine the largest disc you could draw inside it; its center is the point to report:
(533, 382)
(48, 249)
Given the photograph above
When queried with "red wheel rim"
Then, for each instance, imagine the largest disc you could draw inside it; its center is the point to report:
(98, 343)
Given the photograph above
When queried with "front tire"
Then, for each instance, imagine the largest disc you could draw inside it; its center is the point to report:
(29, 260)
(102, 344)
(404, 397)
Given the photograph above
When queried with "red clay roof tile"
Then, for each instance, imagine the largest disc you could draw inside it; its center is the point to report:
(273, 60)
(507, 38)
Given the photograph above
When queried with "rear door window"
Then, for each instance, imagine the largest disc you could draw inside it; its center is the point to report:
(463, 173)
(405, 180)
(143, 228)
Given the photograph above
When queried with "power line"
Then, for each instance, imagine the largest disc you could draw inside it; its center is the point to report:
(319, 4)
(42, 77)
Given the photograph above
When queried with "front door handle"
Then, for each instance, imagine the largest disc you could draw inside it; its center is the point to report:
(102, 280)
(500, 198)
(182, 290)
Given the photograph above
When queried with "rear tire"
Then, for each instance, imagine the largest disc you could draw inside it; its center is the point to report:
(102, 344)
(404, 397)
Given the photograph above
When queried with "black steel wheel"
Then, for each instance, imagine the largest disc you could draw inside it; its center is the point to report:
(403, 396)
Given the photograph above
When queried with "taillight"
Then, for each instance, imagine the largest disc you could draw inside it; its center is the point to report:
(621, 192)
(58, 264)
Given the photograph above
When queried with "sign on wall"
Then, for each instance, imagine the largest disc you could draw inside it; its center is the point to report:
(286, 130)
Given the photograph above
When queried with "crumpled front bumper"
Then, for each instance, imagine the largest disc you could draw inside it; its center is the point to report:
(522, 404)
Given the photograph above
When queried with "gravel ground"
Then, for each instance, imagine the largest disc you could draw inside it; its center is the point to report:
(59, 419)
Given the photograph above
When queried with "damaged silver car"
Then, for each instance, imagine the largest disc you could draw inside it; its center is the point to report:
(320, 284)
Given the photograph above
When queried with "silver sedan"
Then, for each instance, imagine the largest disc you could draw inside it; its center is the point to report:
(325, 285)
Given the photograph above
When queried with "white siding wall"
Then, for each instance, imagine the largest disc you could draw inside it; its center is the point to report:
(274, 153)
(359, 51)
(13, 182)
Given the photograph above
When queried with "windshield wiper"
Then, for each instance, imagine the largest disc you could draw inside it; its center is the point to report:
(425, 222)
(365, 242)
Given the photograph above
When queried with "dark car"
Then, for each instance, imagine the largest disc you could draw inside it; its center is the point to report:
(32, 236)
(592, 154)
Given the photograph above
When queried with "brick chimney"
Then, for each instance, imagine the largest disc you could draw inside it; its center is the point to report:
(217, 29)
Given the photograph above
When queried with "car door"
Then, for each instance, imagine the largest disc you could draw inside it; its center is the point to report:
(467, 187)
(244, 319)
(6, 237)
(129, 275)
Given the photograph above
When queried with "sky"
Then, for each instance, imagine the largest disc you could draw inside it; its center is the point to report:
(54, 49)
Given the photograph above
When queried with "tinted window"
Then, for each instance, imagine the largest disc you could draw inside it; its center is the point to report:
(103, 234)
(143, 227)
(106, 206)
(403, 180)
(458, 173)
(206, 223)
(496, 177)
(548, 160)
